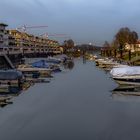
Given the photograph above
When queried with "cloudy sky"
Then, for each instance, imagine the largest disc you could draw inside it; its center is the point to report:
(82, 20)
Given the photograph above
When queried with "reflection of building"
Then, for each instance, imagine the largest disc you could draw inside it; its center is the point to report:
(3, 35)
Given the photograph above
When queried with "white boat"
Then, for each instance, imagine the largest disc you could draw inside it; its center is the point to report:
(117, 65)
(126, 75)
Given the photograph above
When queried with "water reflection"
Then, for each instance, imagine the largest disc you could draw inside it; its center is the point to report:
(69, 65)
(5, 98)
(84, 60)
(126, 93)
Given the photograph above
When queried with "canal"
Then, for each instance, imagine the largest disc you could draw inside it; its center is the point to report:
(76, 105)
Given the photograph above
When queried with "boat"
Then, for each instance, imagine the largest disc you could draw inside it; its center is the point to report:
(11, 81)
(45, 65)
(53, 60)
(126, 75)
(34, 72)
(105, 63)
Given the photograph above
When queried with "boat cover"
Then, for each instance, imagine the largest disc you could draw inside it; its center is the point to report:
(53, 60)
(10, 75)
(40, 64)
(125, 71)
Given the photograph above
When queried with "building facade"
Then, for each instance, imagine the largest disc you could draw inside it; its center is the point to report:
(133, 47)
(22, 39)
(15, 38)
(3, 35)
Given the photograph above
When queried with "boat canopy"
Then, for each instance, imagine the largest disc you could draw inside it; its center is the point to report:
(125, 71)
(10, 75)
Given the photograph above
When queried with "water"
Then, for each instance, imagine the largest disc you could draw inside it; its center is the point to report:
(76, 105)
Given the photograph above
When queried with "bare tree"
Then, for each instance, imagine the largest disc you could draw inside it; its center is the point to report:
(124, 36)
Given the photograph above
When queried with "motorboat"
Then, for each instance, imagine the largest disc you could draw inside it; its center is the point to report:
(126, 75)
(106, 63)
(45, 65)
(11, 81)
(34, 72)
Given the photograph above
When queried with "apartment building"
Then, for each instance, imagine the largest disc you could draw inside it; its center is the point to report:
(23, 39)
(3, 35)
(133, 47)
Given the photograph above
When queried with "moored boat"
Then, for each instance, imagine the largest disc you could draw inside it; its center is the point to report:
(11, 81)
(34, 72)
(45, 65)
(126, 75)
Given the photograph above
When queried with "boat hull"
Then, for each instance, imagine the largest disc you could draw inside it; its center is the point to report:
(127, 80)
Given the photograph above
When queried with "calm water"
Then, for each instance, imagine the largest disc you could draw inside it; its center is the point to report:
(76, 105)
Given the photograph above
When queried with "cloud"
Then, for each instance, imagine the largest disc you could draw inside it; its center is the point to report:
(85, 19)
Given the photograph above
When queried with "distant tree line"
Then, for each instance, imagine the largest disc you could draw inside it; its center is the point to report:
(87, 47)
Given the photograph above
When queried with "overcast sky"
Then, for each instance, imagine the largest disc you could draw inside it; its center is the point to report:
(82, 20)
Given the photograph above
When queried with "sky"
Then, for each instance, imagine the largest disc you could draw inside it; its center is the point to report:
(84, 21)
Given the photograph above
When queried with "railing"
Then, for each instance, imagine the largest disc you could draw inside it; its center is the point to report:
(22, 50)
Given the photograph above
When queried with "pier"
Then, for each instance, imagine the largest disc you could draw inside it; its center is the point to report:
(17, 53)
(25, 51)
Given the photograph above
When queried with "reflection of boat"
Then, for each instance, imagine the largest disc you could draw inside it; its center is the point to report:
(127, 90)
(5, 99)
(126, 75)
(126, 93)
(69, 65)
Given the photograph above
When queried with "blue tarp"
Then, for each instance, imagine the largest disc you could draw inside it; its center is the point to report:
(40, 64)
(10, 75)
(54, 61)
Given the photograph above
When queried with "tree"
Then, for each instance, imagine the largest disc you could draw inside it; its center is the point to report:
(124, 36)
(69, 44)
(114, 44)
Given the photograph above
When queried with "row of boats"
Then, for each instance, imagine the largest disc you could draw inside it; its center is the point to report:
(15, 79)
(126, 76)
(123, 74)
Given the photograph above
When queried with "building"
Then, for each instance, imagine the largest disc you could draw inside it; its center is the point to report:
(133, 47)
(15, 38)
(23, 39)
(3, 35)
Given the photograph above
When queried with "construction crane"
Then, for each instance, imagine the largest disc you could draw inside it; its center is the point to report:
(46, 35)
(24, 27)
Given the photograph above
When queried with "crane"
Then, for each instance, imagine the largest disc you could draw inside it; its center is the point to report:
(24, 27)
(46, 35)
